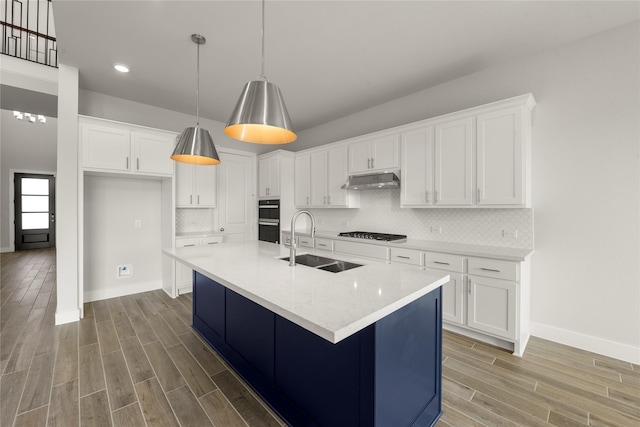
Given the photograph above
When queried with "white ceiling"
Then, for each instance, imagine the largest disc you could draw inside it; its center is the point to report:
(329, 58)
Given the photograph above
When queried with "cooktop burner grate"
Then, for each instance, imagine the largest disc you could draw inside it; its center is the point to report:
(373, 236)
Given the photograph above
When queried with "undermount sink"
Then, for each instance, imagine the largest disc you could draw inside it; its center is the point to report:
(322, 263)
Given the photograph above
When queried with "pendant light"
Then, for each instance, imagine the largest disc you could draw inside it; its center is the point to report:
(260, 115)
(195, 144)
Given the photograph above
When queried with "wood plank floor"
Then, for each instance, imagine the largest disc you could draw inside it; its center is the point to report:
(134, 361)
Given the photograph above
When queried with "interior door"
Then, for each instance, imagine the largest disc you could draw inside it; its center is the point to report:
(237, 207)
(34, 211)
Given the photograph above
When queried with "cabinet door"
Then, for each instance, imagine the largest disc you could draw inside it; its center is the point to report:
(274, 177)
(205, 186)
(491, 306)
(302, 182)
(264, 173)
(184, 273)
(250, 331)
(417, 168)
(453, 299)
(152, 153)
(209, 303)
(500, 157)
(359, 157)
(184, 185)
(105, 148)
(319, 178)
(385, 153)
(453, 163)
(337, 176)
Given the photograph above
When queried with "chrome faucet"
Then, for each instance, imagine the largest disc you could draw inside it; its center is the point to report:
(292, 248)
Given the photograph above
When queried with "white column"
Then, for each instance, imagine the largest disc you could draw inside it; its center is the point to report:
(67, 265)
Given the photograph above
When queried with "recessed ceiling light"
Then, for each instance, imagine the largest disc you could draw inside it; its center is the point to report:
(122, 68)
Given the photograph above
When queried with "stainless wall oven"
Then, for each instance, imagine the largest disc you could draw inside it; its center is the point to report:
(269, 221)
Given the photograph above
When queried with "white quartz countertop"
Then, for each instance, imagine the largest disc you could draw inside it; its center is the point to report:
(331, 305)
(198, 234)
(483, 251)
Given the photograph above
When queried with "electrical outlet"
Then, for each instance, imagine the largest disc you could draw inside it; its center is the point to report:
(137, 223)
(510, 234)
(124, 271)
(436, 229)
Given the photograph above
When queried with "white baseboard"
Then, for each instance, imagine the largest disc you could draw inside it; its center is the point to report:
(67, 317)
(617, 350)
(7, 249)
(120, 291)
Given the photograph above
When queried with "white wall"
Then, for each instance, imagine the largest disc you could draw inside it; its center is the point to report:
(586, 179)
(24, 146)
(112, 205)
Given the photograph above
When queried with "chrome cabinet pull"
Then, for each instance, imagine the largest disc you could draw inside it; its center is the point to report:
(191, 199)
(212, 243)
(441, 262)
(137, 163)
(198, 199)
(127, 162)
(307, 200)
(186, 246)
(403, 257)
(322, 244)
(490, 269)
(426, 196)
(478, 199)
(435, 196)
(469, 285)
(373, 163)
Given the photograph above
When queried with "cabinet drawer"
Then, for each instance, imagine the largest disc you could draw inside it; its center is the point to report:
(362, 249)
(307, 242)
(446, 262)
(406, 256)
(183, 243)
(495, 268)
(324, 244)
(212, 240)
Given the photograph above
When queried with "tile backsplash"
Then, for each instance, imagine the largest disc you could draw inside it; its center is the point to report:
(194, 220)
(380, 212)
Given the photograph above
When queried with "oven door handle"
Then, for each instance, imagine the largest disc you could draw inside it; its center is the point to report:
(273, 224)
(268, 206)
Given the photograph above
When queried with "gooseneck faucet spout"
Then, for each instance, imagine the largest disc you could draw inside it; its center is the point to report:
(292, 248)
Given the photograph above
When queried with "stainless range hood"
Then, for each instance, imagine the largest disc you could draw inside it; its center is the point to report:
(373, 181)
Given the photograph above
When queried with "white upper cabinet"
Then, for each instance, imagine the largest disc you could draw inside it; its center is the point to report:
(416, 148)
(195, 186)
(123, 148)
(319, 193)
(478, 157)
(454, 163)
(269, 177)
(337, 175)
(319, 177)
(374, 154)
(302, 180)
(500, 157)
(152, 153)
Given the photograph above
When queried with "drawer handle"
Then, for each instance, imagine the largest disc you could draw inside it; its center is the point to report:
(213, 243)
(490, 269)
(322, 244)
(441, 262)
(403, 257)
(185, 246)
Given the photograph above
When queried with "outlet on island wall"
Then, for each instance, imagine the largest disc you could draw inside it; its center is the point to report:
(380, 212)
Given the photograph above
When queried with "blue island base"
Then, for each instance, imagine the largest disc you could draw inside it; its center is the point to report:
(387, 375)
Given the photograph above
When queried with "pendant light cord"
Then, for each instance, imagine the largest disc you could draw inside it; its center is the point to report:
(262, 35)
(198, 86)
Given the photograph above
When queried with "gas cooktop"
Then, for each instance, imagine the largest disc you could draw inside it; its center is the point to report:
(373, 236)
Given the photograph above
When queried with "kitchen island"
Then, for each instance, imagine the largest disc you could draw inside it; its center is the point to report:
(357, 348)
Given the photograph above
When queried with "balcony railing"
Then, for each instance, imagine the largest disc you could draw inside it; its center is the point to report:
(28, 32)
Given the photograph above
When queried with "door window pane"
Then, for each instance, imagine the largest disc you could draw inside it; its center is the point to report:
(35, 221)
(35, 203)
(35, 186)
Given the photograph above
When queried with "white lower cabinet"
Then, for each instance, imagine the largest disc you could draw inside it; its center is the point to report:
(491, 306)
(183, 273)
(453, 299)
